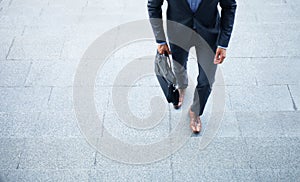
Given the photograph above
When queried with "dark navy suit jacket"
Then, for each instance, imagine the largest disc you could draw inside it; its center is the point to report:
(215, 29)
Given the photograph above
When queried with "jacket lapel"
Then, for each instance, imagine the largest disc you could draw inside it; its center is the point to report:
(187, 5)
(199, 6)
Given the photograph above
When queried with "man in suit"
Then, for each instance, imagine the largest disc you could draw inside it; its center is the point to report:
(202, 17)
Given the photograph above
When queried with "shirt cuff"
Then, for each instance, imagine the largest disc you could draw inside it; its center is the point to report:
(161, 43)
(222, 47)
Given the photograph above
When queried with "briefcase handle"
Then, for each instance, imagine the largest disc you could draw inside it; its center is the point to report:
(169, 60)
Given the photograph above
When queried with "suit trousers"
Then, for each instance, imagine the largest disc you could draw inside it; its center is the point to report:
(204, 82)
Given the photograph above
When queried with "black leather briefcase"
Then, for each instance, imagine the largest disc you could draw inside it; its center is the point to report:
(166, 77)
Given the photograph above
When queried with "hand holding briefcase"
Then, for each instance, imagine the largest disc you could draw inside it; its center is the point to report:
(166, 77)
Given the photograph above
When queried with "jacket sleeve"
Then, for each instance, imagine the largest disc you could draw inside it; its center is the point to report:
(155, 15)
(228, 8)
